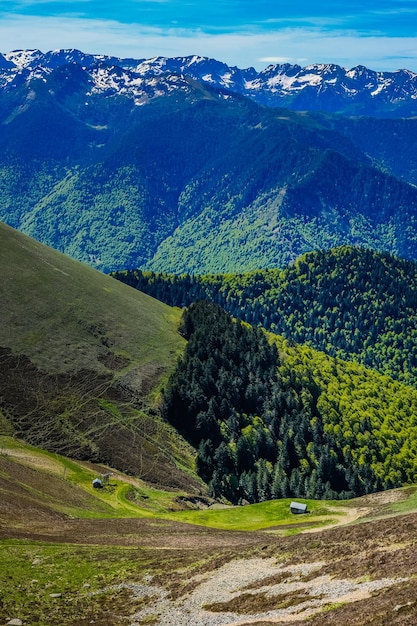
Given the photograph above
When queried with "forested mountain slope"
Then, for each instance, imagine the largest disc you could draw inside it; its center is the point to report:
(90, 367)
(190, 177)
(349, 302)
(271, 420)
(391, 143)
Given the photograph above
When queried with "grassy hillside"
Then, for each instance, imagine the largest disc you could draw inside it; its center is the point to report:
(56, 489)
(83, 358)
(65, 316)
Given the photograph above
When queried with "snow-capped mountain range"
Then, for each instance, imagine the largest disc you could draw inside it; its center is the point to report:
(318, 87)
(172, 165)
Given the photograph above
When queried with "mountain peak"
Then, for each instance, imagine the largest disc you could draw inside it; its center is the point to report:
(319, 86)
(23, 58)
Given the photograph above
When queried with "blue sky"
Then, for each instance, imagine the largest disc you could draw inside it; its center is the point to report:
(379, 34)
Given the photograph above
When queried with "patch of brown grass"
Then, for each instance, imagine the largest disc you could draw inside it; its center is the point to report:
(269, 581)
(251, 603)
(86, 415)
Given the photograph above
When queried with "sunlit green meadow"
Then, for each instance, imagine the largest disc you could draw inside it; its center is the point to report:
(127, 497)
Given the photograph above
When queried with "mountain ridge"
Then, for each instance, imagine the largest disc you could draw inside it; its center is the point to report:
(319, 86)
(325, 299)
(152, 164)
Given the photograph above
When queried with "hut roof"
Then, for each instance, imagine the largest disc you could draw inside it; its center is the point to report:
(299, 507)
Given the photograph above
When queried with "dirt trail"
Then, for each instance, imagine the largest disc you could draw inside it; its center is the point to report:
(37, 461)
(349, 515)
(368, 505)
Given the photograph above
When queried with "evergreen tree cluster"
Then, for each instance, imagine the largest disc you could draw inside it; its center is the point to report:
(263, 429)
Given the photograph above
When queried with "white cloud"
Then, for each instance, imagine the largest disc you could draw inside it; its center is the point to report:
(244, 49)
(276, 60)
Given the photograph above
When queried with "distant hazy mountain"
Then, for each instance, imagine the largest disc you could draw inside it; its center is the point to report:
(166, 164)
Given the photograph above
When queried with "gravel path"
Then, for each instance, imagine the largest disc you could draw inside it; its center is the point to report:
(233, 579)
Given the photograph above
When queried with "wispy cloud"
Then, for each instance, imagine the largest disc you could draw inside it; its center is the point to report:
(250, 46)
(276, 60)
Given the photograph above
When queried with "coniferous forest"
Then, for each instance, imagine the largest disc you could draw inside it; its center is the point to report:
(269, 423)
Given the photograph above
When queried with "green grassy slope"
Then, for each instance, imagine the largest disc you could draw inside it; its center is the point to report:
(55, 490)
(66, 316)
(82, 360)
